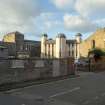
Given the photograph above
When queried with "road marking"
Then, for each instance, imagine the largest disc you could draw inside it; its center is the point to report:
(65, 92)
(36, 85)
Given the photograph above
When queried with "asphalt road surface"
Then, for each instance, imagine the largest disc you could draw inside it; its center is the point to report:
(88, 89)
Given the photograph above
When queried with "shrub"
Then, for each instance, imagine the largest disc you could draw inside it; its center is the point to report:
(97, 53)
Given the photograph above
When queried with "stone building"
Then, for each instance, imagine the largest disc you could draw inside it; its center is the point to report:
(16, 45)
(3, 52)
(96, 40)
(10, 46)
(33, 47)
(60, 47)
(15, 38)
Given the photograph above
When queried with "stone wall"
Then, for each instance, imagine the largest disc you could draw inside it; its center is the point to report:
(98, 65)
(93, 66)
(98, 37)
(23, 70)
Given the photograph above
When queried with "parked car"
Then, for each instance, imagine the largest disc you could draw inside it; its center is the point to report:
(81, 62)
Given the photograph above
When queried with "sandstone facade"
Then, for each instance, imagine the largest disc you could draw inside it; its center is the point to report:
(96, 40)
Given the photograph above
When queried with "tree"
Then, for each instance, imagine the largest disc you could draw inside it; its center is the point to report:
(97, 53)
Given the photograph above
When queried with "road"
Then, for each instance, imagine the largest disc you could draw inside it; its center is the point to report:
(87, 89)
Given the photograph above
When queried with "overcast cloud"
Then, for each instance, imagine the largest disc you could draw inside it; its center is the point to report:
(78, 24)
(65, 5)
(30, 17)
(94, 9)
(18, 15)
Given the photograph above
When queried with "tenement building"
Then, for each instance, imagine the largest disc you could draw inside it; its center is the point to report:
(60, 47)
(18, 46)
(96, 40)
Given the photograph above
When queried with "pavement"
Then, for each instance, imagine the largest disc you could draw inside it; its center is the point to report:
(86, 89)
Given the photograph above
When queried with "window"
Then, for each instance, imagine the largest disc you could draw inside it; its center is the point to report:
(72, 53)
(45, 49)
(52, 50)
(104, 42)
(69, 53)
(93, 43)
(72, 45)
(76, 49)
(69, 50)
(48, 50)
